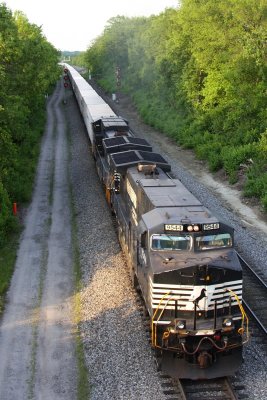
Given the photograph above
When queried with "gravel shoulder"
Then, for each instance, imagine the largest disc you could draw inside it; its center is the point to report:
(37, 346)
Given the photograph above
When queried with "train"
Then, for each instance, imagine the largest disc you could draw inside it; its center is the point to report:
(181, 257)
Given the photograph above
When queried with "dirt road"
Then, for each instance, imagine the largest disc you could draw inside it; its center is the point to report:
(37, 343)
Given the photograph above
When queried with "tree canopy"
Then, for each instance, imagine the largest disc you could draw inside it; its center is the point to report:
(28, 68)
(198, 73)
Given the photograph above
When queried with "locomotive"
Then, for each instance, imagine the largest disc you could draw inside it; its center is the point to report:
(181, 257)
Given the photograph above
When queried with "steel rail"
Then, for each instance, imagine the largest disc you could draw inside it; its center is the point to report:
(252, 271)
(259, 323)
(244, 302)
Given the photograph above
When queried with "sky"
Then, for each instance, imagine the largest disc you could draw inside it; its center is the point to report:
(74, 28)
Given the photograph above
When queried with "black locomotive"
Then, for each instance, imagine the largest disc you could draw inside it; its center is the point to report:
(180, 256)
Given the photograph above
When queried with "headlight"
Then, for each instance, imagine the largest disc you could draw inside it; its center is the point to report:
(180, 324)
(193, 228)
(228, 322)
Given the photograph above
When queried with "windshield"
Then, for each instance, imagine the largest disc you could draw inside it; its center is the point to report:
(170, 242)
(213, 241)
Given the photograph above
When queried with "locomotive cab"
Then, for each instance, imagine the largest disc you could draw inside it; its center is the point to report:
(191, 281)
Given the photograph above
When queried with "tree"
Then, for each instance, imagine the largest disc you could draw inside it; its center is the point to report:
(28, 68)
(198, 73)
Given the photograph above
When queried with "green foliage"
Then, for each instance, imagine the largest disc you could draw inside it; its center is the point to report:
(256, 185)
(75, 58)
(28, 69)
(234, 157)
(7, 262)
(264, 201)
(70, 54)
(210, 151)
(197, 73)
(7, 221)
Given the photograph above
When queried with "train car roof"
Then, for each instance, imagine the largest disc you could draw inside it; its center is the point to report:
(120, 162)
(72, 70)
(155, 219)
(84, 86)
(124, 143)
(98, 111)
(91, 98)
(95, 104)
(161, 190)
(108, 122)
(168, 193)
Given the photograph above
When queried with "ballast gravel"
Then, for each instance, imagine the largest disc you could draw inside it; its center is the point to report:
(117, 351)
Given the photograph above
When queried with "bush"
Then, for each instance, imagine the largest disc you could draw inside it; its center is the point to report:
(210, 152)
(233, 157)
(264, 202)
(256, 185)
(7, 221)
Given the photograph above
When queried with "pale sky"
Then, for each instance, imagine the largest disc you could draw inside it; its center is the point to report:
(72, 25)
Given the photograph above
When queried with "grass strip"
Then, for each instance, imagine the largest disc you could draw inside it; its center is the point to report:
(83, 386)
(8, 255)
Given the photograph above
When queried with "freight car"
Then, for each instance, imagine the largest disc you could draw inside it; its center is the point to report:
(180, 256)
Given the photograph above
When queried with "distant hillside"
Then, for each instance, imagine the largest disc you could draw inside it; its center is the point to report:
(66, 55)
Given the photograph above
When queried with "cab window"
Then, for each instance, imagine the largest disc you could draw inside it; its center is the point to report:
(209, 242)
(170, 242)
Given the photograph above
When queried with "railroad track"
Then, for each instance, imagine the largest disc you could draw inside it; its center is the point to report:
(254, 296)
(219, 389)
(185, 389)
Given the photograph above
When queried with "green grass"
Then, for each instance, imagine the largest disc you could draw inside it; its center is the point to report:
(83, 386)
(8, 255)
(35, 322)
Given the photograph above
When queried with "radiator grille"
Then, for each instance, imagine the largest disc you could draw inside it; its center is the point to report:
(185, 295)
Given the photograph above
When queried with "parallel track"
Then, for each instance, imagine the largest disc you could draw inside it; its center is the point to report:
(254, 295)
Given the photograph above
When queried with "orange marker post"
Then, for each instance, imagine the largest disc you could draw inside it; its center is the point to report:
(14, 208)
